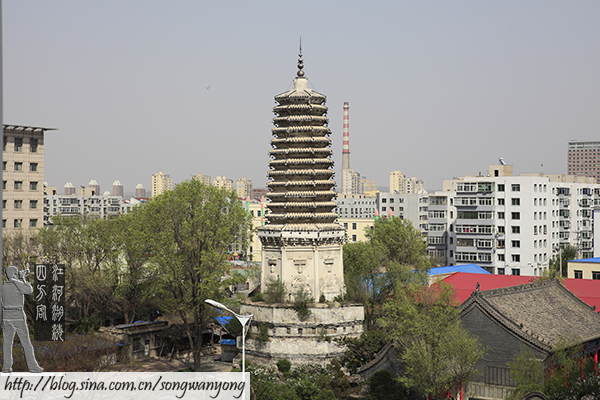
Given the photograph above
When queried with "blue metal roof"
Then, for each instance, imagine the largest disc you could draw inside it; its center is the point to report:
(588, 260)
(468, 268)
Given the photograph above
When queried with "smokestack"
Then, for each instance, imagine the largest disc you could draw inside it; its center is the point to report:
(346, 147)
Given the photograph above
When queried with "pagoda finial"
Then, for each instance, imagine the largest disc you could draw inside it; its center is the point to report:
(300, 73)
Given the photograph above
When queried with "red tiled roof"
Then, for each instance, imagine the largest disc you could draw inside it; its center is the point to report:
(464, 284)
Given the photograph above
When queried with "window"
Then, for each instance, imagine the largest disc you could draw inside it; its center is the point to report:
(3, 223)
(4, 204)
(515, 243)
(4, 166)
(18, 223)
(516, 258)
(33, 167)
(18, 203)
(33, 223)
(391, 199)
(501, 215)
(4, 146)
(345, 225)
(515, 187)
(33, 203)
(500, 202)
(33, 145)
(515, 229)
(354, 238)
(516, 271)
(516, 202)
(578, 274)
(500, 271)
(501, 187)
(3, 185)
(516, 215)
(354, 226)
(500, 243)
(501, 229)
(18, 166)
(384, 200)
(501, 258)
(33, 185)
(18, 144)
(595, 274)
(18, 185)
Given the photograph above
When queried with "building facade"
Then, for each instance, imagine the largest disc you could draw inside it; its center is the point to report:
(140, 192)
(243, 188)
(117, 189)
(583, 158)
(355, 206)
(511, 224)
(161, 182)
(203, 178)
(413, 207)
(81, 205)
(223, 183)
(23, 183)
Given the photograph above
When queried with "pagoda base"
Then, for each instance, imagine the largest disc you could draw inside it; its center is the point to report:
(300, 341)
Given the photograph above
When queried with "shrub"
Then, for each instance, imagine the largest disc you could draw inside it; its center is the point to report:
(322, 298)
(284, 365)
(275, 291)
(302, 303)
(258, 297)
(263, 333)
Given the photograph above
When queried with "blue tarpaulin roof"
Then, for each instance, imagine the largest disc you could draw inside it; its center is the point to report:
(468, 268)
(223, 320)
(229, 342)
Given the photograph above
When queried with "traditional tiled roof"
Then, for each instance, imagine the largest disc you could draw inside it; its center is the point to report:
(541, 312)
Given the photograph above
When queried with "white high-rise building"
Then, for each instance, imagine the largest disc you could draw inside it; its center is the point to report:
(117, 189)
(511, 224)
(350, 182)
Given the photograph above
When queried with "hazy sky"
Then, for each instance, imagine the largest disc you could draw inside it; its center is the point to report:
(437, 89)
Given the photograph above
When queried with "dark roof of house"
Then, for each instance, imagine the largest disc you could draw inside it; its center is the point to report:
(540, 312)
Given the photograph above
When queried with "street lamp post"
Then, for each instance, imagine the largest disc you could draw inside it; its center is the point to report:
(244, 320)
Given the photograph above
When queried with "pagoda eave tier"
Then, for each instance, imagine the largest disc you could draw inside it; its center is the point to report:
(306, 194)
(320, 152)
(301, 174)
(302, 95)
(299, 185)
(297, 142)
(300, 108)
(292, 162)
(295, 130)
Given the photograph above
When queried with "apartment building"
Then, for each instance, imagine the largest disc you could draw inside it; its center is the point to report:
(583, 158)
(161, 182)
(223, 183)
(511, 224)
(83, 205)
(413, 207)
(23, 183)
(203, 178)
(355, 206)
(243, 187)
(399, 183)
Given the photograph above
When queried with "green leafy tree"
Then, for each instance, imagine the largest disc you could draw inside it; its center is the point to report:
(136, 275)
(568, 252)
(565, 375)
(438, 354)
(394, 254)
(190, 229)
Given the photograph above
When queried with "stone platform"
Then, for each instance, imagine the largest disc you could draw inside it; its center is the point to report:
(301, 341)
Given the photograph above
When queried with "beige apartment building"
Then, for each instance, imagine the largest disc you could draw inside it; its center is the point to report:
(161, 182)
(23, 182)
(203, 178)
(222, 182)
(243, 188)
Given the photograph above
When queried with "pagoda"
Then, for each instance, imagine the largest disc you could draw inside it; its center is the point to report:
(301, 242)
